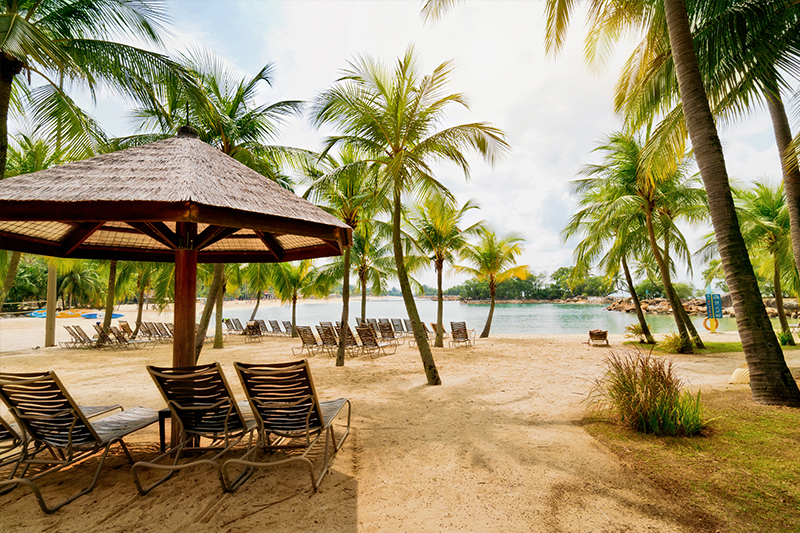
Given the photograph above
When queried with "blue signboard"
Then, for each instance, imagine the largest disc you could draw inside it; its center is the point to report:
(713, 306)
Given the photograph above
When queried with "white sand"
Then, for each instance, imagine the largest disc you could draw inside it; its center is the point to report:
(497, 447)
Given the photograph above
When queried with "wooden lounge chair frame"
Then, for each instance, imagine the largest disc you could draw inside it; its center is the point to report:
(287, 325)
(202, 405)
(276, 329)
(308, 340)
(351, 345)
(397, 324)
(51, 421)
(387, 333)
(598, 336)
(88, 342)
(328, 337)
(370, 344)
(461, 335)
(76, 342)
(289, 415)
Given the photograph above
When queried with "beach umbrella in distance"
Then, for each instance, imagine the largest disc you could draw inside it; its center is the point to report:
(176, 200)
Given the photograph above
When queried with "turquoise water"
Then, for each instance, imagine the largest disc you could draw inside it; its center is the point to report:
(524, 319)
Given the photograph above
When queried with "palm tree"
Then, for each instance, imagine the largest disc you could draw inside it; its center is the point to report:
(343, 191)
(764, 217)
(434, 228)
(626, 181)
(257, 278)
(612, 233)
(494, 261)
(392, 116)
(297, 279)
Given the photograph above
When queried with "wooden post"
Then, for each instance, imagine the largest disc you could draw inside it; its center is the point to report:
(185, 302)
(185, 296)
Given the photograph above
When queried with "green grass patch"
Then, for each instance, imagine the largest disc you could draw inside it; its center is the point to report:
(740, 475)
(711, 348)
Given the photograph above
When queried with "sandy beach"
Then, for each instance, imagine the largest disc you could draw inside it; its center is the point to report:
(498, 447)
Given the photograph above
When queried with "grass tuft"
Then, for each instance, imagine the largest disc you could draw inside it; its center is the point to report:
(645, 394)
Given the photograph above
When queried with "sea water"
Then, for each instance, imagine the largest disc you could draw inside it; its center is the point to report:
(518, 319)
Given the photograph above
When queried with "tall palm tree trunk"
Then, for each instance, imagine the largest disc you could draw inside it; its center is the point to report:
(779, 301)
(791, 173)
(770, 379)
(294, 316)
(345, 307)
(363, 281)
(428, 364)
(488, 325)
(211, 299)
(439, 305)
(139, 310)
(11, 273)
(110, 296)
(674, 301)
(218, 334)
(637, 304)
(255, 309)
(8, 69)
(687, 320)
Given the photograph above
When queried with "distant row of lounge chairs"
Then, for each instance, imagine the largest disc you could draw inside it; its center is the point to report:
(282, 411)
(371, 337)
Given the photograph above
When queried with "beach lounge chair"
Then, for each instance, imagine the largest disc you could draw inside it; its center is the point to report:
(433, 331)
(287, 325)
(461, 335)
(397, 324)
(351, 345)
(263, 327)
(76, 342)
(252, 332)
(289, 415)
(126, 329)
(88, 342)
(53, 422)
(202, 405)
(309, 341)
(387, 333)
(238, 325)
(370, 344)
(276, 329)
(598, 336)
(123, 341)
(328, 337)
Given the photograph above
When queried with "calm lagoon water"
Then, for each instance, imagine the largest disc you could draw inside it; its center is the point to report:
(520, 319)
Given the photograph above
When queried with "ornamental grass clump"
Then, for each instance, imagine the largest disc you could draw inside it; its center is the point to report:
(644, 393)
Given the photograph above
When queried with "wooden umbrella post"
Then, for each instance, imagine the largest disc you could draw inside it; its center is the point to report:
(183, 346)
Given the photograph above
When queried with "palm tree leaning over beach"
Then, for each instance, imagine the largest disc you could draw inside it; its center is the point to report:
(494, 260)
(392, 116)
(340, 187)
(434, 228)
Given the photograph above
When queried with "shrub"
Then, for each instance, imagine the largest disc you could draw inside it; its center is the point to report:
(644, 393)
(783, 337)
(672, 343)
(635, 331)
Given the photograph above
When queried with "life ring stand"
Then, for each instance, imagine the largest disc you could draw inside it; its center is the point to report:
(714, 324)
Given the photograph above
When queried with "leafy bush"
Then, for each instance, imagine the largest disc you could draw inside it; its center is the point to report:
(635, 331)
(784, 337)
(644, 393)
(672, 343)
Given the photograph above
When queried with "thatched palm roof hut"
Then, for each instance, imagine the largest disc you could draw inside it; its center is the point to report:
(178, 199)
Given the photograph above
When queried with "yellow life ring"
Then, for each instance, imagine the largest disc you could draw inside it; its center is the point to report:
(714, 324)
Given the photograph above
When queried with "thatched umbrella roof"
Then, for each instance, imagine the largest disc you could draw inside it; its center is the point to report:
(179, 200)
(124, 205)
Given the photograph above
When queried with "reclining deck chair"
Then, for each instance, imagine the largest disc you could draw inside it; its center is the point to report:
(387, 334)
(202, 405)
(287, 409)
(370, 344)
(309, 341)
(276, 329)
(461, 335)
(51, 421)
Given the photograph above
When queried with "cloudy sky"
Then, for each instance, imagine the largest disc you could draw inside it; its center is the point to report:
(553, 110)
